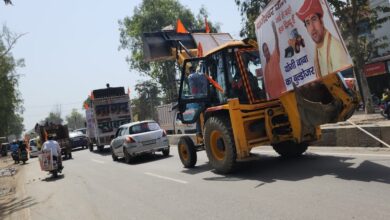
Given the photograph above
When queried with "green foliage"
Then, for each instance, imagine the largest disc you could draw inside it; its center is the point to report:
(354, 16)
(153, 16)
(143, 107)
(250, 10)
(75, 120)
(10, 98)
(53, 117)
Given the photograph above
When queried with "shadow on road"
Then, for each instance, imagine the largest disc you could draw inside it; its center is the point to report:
(51, 178)
(15, 205)
(104, 152)
(269, 169)
(145, 158)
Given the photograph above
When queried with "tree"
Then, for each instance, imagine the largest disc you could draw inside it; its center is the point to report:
(8, 2)
(355, 16)
(10, 99)
(75, 120)
(53, 117)
(352, 16)
(144, 107)
(250, 10)
(152, 16)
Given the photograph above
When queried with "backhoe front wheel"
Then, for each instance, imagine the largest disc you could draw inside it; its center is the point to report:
(219, 144)
(187, 152)
(290, 149)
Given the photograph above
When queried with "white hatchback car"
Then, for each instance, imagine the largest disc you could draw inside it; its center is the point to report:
(138, 138)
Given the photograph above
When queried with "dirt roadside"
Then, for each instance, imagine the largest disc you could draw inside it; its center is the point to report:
(13, 203)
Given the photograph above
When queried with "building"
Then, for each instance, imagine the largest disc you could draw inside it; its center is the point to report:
(377, 70)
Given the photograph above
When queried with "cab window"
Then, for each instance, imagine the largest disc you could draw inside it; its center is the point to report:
(253, 71)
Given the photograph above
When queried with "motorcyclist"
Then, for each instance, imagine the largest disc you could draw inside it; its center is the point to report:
(54, 147)
(385, 100)
(15, 151)
(23, 152)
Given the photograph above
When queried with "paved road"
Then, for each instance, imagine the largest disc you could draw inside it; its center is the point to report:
(324, 184)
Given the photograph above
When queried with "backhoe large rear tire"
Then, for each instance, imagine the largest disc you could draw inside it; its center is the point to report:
(220, 145)
(187, 152)
(290, 149)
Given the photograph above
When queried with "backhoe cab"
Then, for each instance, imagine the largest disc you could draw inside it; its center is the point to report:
(222, 90)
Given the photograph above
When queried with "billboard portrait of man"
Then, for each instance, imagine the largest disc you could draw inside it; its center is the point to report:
(330, 55)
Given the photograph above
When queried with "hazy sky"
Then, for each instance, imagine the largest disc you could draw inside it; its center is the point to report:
(71, 48)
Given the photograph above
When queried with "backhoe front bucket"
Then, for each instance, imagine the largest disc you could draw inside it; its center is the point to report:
(318, 103)
(159, 45)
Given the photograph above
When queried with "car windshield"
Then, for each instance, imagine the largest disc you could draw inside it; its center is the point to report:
(144, 127)
(75, 134)
(82, 130)
(32, 143)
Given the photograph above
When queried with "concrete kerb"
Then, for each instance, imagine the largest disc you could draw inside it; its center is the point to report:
(335, 135)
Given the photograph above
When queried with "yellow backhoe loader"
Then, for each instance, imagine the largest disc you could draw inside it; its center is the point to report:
(232, 112)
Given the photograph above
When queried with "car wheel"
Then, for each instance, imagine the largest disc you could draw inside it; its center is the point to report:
(100, 148)
(166, 152)
(128, 157)
(187, 152)
(114, 157)
(220, 145)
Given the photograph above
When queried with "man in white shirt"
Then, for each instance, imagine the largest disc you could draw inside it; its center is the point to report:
(55, 148)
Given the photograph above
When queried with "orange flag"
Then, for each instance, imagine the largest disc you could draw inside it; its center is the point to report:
(180, 27)
(214, 83)
(200, 50)
(207, 25)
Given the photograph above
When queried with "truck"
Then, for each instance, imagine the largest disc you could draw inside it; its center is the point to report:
(60, 134)
(169, 121)
(110, 108)
(235, 113)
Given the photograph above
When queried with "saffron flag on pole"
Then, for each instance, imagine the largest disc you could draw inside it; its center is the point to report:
(207, 25)
(180, 27)
(200, 50)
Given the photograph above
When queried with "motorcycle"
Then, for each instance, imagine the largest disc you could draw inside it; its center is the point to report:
(50, 163)
(57, 167)
(15, 156)
(23, 155)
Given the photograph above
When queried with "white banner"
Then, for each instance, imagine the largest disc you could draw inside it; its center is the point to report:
(299, 42)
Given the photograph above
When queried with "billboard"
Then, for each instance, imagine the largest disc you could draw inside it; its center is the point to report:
(299, 42)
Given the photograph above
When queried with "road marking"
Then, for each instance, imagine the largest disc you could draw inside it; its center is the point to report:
(98, 161)
(167, 178)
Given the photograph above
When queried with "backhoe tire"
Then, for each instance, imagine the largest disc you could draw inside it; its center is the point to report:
(290, 149)
(220, 145)
(187, 152)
